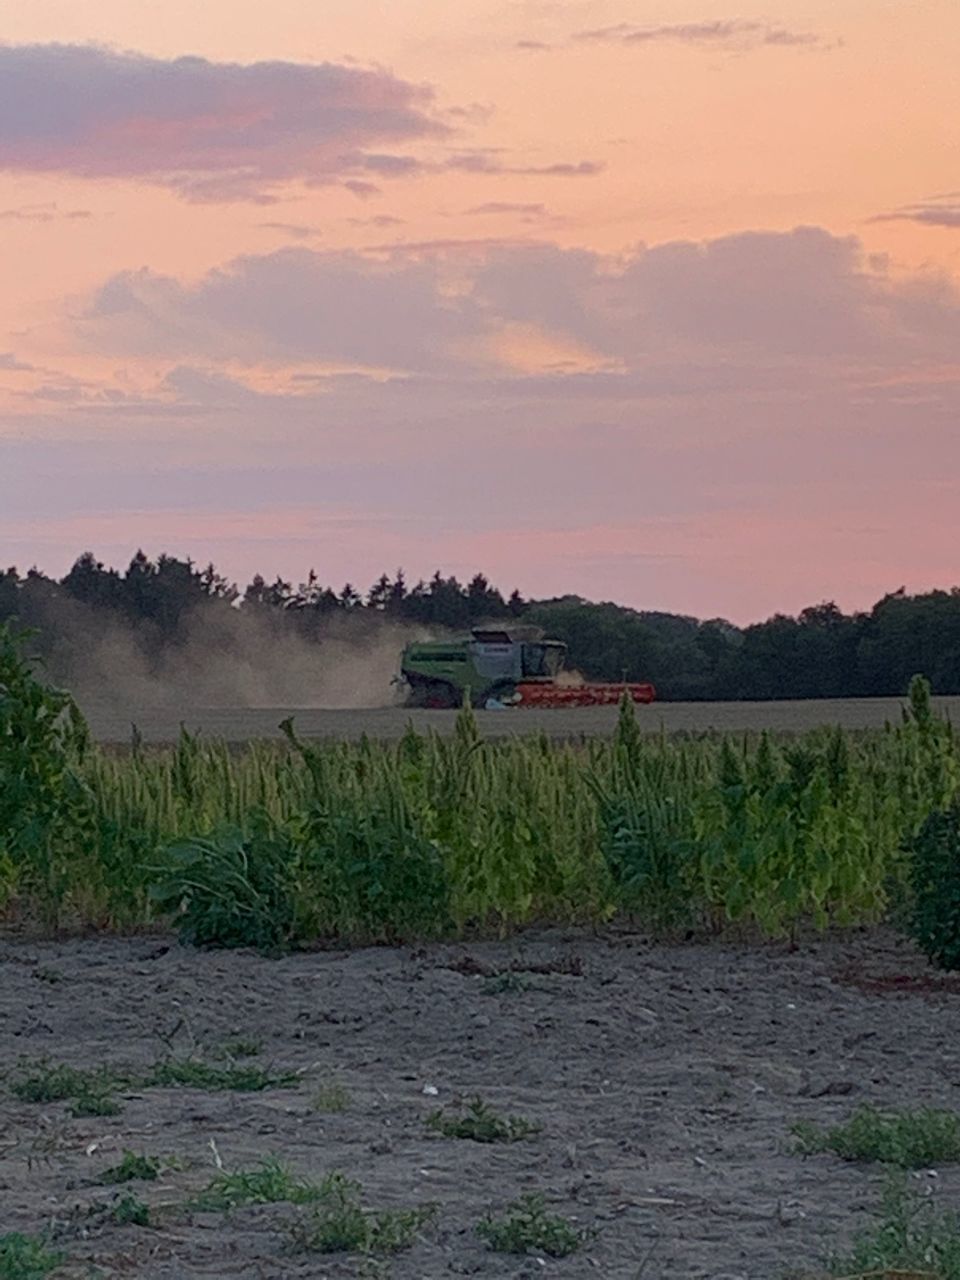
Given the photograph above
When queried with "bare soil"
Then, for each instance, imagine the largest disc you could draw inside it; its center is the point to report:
(241, 724)
(665, 1079)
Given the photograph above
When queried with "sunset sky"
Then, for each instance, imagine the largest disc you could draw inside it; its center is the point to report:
(648, 301)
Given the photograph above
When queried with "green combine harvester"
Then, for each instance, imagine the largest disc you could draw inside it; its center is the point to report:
(494, 669)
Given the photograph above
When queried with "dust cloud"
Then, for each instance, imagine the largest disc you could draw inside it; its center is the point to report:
(232, 658)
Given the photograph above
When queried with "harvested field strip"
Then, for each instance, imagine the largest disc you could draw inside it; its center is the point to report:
(241, 725)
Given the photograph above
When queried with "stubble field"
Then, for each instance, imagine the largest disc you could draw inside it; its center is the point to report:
(112, 724)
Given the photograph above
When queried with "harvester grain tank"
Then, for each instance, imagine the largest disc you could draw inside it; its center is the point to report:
(516, 668)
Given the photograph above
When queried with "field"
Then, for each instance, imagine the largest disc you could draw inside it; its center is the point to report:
(438, 1004)
(665, 1081)
(110, 724)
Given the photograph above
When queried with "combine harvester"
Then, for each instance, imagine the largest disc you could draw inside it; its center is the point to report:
(498, 669)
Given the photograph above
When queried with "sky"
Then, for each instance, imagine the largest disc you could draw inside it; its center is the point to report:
(650, 302)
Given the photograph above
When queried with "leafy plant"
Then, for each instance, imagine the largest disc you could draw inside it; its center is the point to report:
(528, 1227)
(234, 889)
(132, 1168)
(270, 1183)
(506, 983)
(478, 1122)
(43, 800)
(912, 1239)
(193, 1073)
(935, 881)
(909, 1139)
(94, 1102)
(88, 1090)
(340, 1223)
(26, 1257)
(129, 1210)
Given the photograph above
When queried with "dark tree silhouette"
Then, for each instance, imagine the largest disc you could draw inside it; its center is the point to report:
(822, 652)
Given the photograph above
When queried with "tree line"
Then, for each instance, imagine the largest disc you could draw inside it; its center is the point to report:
(820, 652)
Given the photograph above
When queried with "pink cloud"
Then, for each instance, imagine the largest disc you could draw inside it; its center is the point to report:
(751, 311)
(719, 32)
(207, 130)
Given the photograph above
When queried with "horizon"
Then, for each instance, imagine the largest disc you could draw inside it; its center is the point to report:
(663, 311)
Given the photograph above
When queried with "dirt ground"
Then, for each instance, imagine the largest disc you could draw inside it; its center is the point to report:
(238, 725)
(665, 1080)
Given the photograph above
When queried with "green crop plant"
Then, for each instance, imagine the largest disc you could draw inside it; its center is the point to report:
(129, 1210)
(290, 843)
(270, 1183)
(528, 1227)
(341, 1224)
(131, 1168)
(915, 1139)
(935, 881)
(89, 1091)
(26, 1257)
(194, 1073)
(912, 1240)
(478, 1122)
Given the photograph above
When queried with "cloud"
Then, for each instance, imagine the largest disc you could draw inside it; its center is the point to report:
(377, 220)
(362, 190)
(10, 364)
(485, 162)
(732, 33)
(295, 230)
(207, 130)
(527, 212)
(49, 211)
(742, 311)
(532, 46)
(749, 395)
(294, 304)
(940, 211)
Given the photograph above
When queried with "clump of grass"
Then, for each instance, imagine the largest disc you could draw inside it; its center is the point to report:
(270, 1183)
(90, 1102)
(478, 1122)
(132, 1168)
(527, 1227)
(332, 1097)
(129, 1210)
(913, 1139)
(340, 1223)
(26, 1257)
(89, 1091)
(45, 1082)
(912, 1239)
(193, 1073)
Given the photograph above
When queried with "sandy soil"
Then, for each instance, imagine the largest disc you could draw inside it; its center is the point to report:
(239, 725)
(665, 1080)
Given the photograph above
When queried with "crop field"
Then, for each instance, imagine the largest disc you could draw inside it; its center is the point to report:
(162, 725)
(448, 1004)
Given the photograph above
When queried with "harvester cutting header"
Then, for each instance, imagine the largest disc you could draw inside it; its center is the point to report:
(517, 668)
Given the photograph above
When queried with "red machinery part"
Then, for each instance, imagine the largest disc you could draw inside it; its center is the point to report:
(582, 695)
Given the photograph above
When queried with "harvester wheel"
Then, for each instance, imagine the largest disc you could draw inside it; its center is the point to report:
(437, 695)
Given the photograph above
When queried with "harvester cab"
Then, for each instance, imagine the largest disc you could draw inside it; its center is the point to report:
(494, 668)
